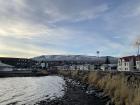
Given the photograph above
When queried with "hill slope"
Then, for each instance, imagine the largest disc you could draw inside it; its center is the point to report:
(73, 58)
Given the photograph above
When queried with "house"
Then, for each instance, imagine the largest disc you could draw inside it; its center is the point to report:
(5, 67)
(43, 65)
(86, 67)
(72, 67)
(80, 67)
(126, 63)
(138, 63)
(109, 67)
(91, 67)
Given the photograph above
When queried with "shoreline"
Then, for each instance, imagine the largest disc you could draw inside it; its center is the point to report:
(76, 93)
(123, 88)
(22, 74)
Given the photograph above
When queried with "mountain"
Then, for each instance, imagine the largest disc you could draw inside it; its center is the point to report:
(74, 58)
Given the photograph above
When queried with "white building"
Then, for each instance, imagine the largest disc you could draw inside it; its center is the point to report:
(109, 67)
(5, 67)
(86, 67)
(83, 67)
(91, 67)
(138, 63)
(126, 63)
(72, 67)
(43, 65)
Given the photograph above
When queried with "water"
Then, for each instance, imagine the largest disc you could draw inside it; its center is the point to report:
(30, 90)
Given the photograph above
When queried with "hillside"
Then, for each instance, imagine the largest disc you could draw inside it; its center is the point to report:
(73, 58)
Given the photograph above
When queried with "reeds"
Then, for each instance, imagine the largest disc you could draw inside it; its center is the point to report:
(123, 89)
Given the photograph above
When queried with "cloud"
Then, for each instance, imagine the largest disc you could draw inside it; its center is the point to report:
(45, 11)
(21, 29)
(67, 26)
(24, 48)
(25, 18)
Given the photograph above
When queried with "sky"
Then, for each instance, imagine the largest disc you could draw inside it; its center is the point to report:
(31, 28)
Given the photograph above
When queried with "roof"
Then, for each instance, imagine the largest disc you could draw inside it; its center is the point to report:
(5, 65)
(110, 65)
(128, 58)
(138, 58)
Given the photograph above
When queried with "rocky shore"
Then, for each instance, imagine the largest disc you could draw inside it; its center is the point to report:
(123, 88)
(77, 93)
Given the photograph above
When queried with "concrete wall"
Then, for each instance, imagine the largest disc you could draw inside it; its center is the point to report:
(6, 69)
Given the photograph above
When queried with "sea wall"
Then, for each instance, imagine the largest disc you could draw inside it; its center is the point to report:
(23, 73)
(122, 87)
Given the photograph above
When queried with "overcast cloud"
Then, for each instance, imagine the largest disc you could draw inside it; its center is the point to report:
(34, 27)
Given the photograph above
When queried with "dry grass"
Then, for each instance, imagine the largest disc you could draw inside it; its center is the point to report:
(118, 87)
(123, 89)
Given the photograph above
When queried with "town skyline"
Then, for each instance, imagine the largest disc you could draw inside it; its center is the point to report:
(30, 28)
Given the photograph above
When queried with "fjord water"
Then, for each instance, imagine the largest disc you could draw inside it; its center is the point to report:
(30, 90)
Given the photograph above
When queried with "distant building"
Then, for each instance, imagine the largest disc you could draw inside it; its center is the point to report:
(109, 67)
(19, 62)
(138, 63)
(86, 67)
(91, 67)
(44, 65)
(126, 63)
(5, 67)
(72, 67)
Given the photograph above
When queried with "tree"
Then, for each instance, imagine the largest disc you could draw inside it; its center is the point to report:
(107, 61)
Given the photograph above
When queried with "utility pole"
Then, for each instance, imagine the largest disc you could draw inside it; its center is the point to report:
(107, 61)
(138, 45)
(98, 52)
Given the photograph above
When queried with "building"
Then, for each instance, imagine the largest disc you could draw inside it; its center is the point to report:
(138, 63)
(127, 63)
(72, 67)
(86, 67)
(5, 67)
(91, 67)
(43, 65)
(109, 67)
(19, 62)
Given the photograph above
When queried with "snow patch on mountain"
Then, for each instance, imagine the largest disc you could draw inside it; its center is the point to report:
(74, 58)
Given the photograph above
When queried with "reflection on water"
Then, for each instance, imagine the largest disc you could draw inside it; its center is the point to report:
(29, 90)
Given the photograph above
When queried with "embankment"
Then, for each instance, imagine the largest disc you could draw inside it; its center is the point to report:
(22, 73)
(123, 88)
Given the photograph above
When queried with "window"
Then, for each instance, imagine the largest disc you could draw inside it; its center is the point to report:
(125, 64)
(119, 63)
(126, 68)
